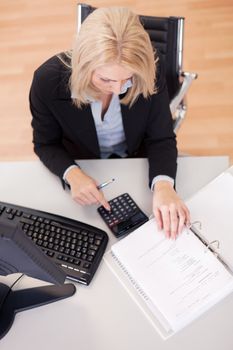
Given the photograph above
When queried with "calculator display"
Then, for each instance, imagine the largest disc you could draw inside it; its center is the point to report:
(124, 217)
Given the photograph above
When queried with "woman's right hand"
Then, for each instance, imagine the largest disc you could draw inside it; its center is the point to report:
(84, 189)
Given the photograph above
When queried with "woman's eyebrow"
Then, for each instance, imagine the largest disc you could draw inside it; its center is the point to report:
(112, 79)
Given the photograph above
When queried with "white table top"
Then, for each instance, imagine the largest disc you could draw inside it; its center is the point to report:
(102, 315)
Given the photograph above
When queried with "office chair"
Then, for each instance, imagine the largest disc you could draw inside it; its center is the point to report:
(166, 34)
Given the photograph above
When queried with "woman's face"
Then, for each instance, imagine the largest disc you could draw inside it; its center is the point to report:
(109, 79)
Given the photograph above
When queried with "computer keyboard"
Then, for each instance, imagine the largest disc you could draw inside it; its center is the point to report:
(77, 247)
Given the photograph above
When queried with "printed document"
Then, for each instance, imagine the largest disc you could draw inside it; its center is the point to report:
(180, 278)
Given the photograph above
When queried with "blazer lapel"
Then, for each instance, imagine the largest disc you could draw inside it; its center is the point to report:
(80, 121)
(128, 125)
(134, 122)
(134, 125)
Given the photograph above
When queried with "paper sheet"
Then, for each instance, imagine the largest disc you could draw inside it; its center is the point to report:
(181, 278)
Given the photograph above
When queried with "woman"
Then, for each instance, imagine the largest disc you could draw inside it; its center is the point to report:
(108, 98)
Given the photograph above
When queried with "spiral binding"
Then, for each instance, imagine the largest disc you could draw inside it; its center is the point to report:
(132, 280)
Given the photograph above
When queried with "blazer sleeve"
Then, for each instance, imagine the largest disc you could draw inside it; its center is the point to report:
(47, 133)
(160, 138)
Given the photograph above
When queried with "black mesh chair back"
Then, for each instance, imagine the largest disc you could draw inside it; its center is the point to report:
(163, 33)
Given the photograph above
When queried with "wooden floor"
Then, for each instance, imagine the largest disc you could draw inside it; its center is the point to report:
(33, 30)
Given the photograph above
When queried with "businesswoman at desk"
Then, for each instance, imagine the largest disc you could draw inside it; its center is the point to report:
(107, 98)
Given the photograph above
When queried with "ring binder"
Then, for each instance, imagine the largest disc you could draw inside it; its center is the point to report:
(195, 223)
(201, 237)
(209, 245)
(175, 281)
(212, 242)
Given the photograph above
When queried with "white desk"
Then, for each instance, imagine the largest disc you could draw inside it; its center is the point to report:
(102, 316)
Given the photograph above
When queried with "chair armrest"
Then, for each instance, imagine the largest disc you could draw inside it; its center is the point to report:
(186, 83)
(179, 116)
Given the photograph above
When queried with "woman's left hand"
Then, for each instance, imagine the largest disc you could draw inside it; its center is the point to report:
(171, 214)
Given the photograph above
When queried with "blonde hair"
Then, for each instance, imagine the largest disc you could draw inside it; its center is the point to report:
(112, 35)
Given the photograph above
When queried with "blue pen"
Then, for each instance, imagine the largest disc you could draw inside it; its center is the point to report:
(105, 184)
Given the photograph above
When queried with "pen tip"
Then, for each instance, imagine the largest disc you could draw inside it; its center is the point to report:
(113, 179)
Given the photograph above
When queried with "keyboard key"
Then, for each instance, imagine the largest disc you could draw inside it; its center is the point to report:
(27, 216)
(97, 242)
(10, 216)
(25, 220)
(49, 253)
(86, 265)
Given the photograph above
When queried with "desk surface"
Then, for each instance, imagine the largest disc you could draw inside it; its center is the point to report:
(102, 315)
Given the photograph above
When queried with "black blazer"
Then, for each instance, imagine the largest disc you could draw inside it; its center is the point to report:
(63, 133)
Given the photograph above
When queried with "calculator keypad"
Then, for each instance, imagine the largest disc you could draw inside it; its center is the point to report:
(122, 208)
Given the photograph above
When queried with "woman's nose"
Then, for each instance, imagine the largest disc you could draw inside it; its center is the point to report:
(116, 87)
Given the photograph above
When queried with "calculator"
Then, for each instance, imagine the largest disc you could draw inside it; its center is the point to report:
(125, 215)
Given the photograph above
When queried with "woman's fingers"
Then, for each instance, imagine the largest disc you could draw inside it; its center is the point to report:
(84, 189)
(174, 221)
(170, 212)
(158, 219)
(91, 195)
(101, 199)
(165, 219)
(182, 220)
